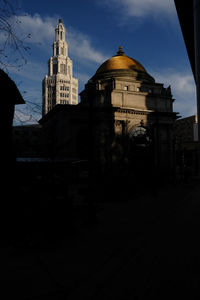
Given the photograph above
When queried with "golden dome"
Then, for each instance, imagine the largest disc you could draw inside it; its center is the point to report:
(120, 62)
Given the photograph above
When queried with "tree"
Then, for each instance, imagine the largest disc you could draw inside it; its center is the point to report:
(13, 47)
(13, 52)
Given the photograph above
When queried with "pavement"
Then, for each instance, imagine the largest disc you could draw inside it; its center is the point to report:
(145, 246)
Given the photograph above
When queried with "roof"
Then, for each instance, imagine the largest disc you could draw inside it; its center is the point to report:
(9, 88)
(120, 62)
(61, 108)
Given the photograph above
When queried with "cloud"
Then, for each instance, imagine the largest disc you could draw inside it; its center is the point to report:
(142, 8)
(33, 70)
(82, 77)
(80, 46)
(21, 33)
(42, 33)
(183, 90)
(41, 30)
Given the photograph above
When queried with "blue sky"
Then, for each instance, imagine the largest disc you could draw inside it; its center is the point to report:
(148, 30)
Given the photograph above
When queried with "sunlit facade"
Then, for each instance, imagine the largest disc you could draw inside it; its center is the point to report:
(59, 86)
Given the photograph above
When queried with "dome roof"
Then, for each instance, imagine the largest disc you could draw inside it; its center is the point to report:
(120, 62)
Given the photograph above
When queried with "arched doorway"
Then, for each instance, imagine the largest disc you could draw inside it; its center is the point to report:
(140, 150)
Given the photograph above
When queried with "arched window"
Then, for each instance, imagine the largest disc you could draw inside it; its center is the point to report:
(140, 135)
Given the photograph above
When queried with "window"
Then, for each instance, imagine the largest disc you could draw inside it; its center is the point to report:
(64, 102)
(55, 69)
(63, 69)
(126, 88)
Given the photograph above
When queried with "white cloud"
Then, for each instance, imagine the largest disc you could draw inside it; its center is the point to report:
(142, 8)
(25, 31)
(82, 77)
(33, 70)
(80, 46)
(42, 32)
(183, 90)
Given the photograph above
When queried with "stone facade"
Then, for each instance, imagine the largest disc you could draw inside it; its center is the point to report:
(59, 86)
(128, 104)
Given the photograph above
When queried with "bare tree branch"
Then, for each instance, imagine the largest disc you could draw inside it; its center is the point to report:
(13, 47)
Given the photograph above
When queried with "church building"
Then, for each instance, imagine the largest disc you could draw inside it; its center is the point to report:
(59, 86)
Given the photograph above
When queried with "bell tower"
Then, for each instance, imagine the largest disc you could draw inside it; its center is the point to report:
(59, 86)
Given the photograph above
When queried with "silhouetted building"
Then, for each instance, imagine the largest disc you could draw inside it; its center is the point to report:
(188, 14)
(11, 98)
(65, 130)
(59, 87)
(186, 139)
(28, 141)
(186, 130)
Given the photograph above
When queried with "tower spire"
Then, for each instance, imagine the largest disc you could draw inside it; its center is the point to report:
(59, 87)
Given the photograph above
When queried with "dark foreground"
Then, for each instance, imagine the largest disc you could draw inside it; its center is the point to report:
(144, 245)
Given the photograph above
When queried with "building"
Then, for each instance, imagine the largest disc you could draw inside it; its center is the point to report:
(190, 26)
(11, 98)
(59, 86)
(187, 130)
(28, 141)
(130, 107)
(124, 122)
(186, 136)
